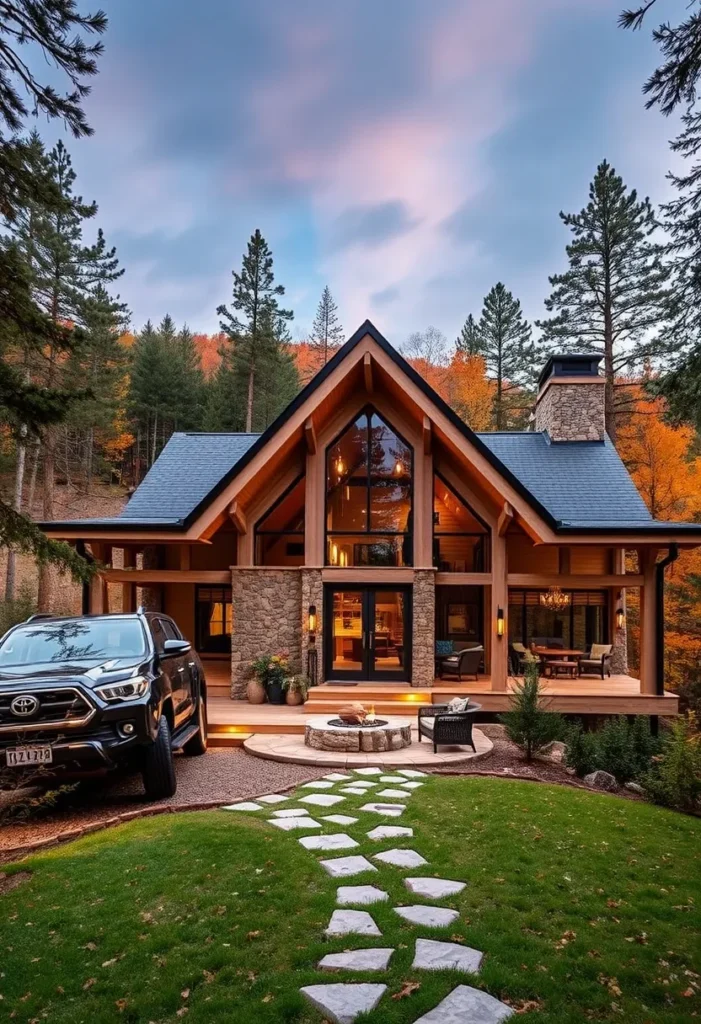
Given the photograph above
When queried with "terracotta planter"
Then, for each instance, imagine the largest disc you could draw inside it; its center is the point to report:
(294, 697)
(255, 691)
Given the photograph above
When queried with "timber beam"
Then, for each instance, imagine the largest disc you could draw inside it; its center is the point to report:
(237, 517)
(506, 517)
(427, 435)
(310, 436)
(367, 373)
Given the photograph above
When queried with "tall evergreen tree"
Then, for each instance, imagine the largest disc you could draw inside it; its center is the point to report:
(326, 334)
(614, 298)
(469, 341)
(255, 298)
(507, 346)
(676, 80)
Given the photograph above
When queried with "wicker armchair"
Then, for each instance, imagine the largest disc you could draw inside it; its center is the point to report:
(465, 663)
(596, 661)
(442, 727)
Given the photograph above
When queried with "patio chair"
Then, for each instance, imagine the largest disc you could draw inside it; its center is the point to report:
(519, 656)
(464, 663)
(441, 726)
(597, 661)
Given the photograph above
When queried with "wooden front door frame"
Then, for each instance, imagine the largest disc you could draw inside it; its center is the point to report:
(368, 672)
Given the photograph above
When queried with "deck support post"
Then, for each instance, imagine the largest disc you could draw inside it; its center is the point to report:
(500, 601)
(647, 558)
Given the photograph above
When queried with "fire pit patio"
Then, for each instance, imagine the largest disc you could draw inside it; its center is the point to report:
(322, 733)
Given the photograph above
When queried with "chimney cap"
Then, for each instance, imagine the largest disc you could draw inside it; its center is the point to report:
(571, 364)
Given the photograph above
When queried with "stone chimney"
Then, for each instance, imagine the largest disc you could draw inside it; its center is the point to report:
(570, 404)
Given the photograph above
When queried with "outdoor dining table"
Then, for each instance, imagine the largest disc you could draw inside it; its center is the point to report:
(559, 657)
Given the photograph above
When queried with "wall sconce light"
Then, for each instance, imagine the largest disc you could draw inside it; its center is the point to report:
(500, 622)
(312, 618)
(620, 618)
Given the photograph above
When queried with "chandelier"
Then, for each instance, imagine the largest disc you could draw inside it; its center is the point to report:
(555, 600)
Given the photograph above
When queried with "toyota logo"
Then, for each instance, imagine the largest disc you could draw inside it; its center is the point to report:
(24, 705)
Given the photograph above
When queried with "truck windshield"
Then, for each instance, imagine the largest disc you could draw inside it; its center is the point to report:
(73, 640)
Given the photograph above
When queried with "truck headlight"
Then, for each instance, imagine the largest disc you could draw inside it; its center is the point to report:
(129, 689)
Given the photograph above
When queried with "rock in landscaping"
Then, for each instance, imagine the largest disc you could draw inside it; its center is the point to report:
(348, 894)
(397, 794)
(391, 778)
(411, 785)
(390, 810)
(290, 824)
(411, 773)
(390, 832)
(247, 805)
(337, 777)
(355, 790)
(431, 917)
(634, 787)
(318, 784)
(342, 1003)
(433, 888)
(321, 799)
(554, 751)
(272, 798)
(440, 956)
(339, 819)
(344, 867)
(401, 858)
(339, 841)
(601, 780)
(292, 812)
(351, 922)
(357, 960)
(368, 771)
(467, 1004)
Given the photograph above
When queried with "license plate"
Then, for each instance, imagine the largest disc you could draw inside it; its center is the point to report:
(17, 757)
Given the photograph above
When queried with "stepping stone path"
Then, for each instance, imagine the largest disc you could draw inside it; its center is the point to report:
(357, 960)
(348, 894)
(351, 922)
(430, 917)
(343, 1003)
(401, 858)
(339, 841)
(440, 956)
(433, 888)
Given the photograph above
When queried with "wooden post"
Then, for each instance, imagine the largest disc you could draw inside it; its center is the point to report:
(129, 589)
(647, 558)
(500, 600)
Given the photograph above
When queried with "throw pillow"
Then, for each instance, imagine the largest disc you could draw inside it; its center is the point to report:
(444, 647)
(458, 704)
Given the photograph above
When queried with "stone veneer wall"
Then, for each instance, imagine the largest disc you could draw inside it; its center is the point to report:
(619, 653)
(313, 593)
(572, 412)
(151, 598)
(423, 628)
(266, 619)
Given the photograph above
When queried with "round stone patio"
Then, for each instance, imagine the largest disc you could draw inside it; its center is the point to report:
(291, 749)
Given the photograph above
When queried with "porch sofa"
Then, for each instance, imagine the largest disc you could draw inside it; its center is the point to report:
(443, 726)
(596, 661)
(465, 661)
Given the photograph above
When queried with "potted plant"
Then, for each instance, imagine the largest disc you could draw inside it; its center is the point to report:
(296, 689)
(255, 690)
(272, 670)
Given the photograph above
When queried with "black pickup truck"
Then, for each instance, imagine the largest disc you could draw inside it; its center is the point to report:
(101, 691)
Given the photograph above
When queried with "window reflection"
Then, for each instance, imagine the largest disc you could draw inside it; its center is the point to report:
(460, 538)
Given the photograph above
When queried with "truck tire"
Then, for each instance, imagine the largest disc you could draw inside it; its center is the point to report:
(198, 744)
(158, 770)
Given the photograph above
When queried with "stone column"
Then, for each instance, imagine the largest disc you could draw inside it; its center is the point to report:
(266, 620)
(152, 596)
(423, 628)
(313, 594)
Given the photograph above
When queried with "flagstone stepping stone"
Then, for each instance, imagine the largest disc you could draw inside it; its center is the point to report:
(292, 812)
(321, 799)
(247, 805)
(319, 784)
(401, 858)
(368, 771)
(433, 888)
(338, 841)
(411, 785)
(431, 917)
(290, 824)
(391, 778)
(339, 819)
(391, 810)
(347, 894)
(411, 773)
(357, 960)
(272, 798)
(338, 777)
(397, 794)
(344, 867)
(467, 1004)
(342, 1003)
(354, 790)
(440, 956)
(390, 832)
(351, 922)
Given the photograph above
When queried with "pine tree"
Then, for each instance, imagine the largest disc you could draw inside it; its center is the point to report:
(326, 334)
(614, 298)
(469, 341)
(675, 81)
(509, 353)
(255, 296)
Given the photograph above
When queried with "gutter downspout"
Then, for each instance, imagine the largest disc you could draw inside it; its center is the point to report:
(671, 556)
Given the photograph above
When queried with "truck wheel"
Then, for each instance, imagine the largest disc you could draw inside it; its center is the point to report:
(158, 771)
(198, 744)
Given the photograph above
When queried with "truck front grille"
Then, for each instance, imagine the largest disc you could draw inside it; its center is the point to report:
(33, 709)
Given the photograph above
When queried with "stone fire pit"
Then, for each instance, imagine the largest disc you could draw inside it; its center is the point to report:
(391, 734)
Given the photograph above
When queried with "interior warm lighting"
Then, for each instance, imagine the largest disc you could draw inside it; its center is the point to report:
(500, 622)
(555, 600)
(312, 618)
(344, 559)
(334, 554)
(340, 466)
(398, 469)
(620, 618)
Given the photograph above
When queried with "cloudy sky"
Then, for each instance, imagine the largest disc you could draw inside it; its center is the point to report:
(409, 153)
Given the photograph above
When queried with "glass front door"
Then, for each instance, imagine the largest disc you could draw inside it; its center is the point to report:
(368, 633)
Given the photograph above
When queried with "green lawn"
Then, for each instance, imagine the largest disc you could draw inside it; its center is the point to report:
(585, 904)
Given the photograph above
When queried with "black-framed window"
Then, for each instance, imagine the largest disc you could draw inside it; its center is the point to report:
(585, 620)
(213, 619)
(369, 495)
(279, 534)
(460, 537)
